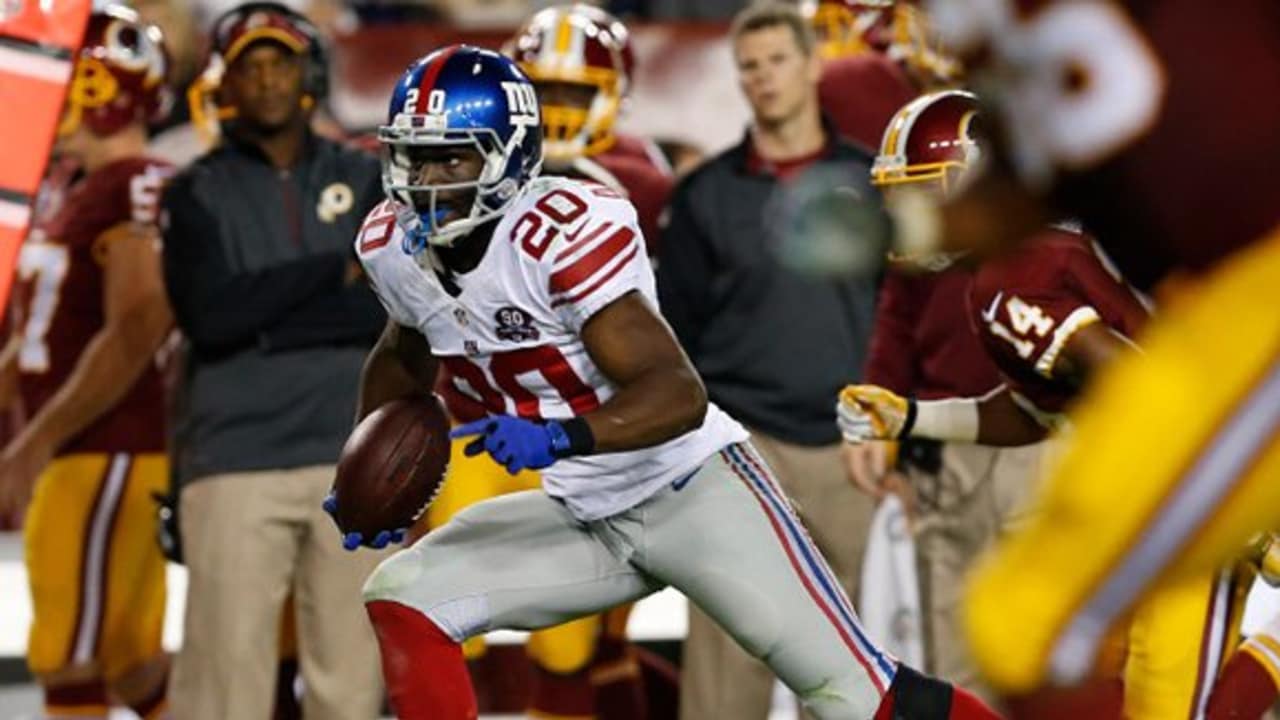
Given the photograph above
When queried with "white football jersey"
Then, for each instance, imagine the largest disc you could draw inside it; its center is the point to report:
(510, 338)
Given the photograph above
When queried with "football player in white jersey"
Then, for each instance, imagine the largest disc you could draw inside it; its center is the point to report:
(537, 294)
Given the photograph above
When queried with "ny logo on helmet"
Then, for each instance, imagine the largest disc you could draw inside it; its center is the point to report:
(522, 102)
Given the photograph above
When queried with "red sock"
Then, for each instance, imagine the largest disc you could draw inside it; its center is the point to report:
(1243, 691)
(425, 673)
(1097, 700)
(966, 706)
(618, 681)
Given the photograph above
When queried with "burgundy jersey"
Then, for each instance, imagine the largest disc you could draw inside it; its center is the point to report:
(922, 344)
(638, 148)
(645, 186)
(861, 94)
(1156, 122)
(57, 304)
(1026, 306)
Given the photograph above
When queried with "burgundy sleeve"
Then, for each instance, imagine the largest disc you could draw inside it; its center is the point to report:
(1107, 291)
(649, 193)
(891, 358)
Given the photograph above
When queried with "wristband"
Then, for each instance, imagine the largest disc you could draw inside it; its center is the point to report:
(571, 437)
(910, 421)
(954, 420)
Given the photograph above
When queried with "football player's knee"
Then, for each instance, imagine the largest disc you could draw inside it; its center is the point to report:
(566, 648)
(845, 694)
(410, 579)
(392, 578)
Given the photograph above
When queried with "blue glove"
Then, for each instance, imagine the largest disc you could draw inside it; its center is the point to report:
(515, 443)
(353, 540)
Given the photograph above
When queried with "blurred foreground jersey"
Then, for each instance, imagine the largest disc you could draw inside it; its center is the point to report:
(1153, 121)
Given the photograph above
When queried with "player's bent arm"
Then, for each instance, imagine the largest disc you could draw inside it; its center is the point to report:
(399, 365)
(660, 395)
(1091, 348)
(136, 320)
(993, 419)
(218, 307)
(870, 412)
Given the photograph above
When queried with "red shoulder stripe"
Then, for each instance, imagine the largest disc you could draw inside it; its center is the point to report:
(580, 270)
(596, 285)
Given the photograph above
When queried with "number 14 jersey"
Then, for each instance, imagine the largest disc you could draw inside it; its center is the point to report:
(1027, 305)
(509, 335)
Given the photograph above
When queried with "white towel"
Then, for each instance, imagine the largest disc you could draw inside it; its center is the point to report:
(889, 604)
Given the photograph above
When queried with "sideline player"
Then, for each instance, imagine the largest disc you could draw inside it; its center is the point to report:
(537, 294)
(1249, 683)
(580, 60)
(1051, 314)
(90, 316)
(862, 85)
(898, 30)
(1166, 154)
(960, 496)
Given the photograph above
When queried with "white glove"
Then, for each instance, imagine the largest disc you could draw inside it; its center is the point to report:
(870, 412)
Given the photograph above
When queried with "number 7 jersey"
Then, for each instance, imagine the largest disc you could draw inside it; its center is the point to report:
(57, 303)
(509, 333)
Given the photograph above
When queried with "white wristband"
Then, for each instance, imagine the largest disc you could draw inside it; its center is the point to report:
(953, 420)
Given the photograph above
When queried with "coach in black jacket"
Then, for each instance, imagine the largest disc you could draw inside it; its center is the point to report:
(264, 285)
(772, 342)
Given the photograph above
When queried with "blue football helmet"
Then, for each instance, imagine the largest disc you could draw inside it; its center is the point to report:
(468, 96)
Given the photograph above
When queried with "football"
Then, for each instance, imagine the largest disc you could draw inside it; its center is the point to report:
(392, 466)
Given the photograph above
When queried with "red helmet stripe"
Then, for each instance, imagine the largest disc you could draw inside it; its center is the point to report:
(433, 71)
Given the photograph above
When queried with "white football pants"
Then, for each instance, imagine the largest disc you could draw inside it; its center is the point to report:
(726, 537)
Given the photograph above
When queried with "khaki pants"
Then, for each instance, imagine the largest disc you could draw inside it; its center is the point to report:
(719, 679)
(964, 509)
(249, 539)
